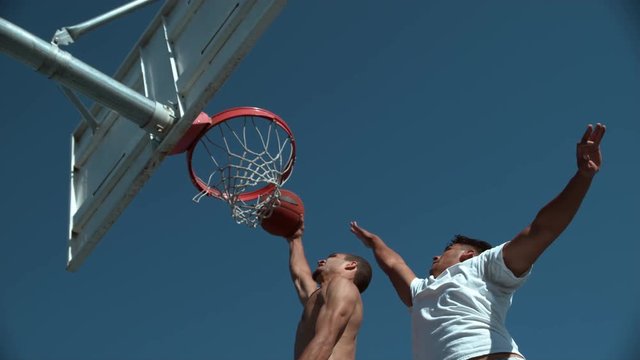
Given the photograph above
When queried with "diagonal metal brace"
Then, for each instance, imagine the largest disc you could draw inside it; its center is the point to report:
(68, 34)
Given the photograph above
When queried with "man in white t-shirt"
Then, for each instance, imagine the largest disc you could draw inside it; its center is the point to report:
(459, 311)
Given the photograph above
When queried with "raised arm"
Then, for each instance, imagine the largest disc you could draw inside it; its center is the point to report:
(389, 261)
(340, 302)
(520, 253)
(299, 267)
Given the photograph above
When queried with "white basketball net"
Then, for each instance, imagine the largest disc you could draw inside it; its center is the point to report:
(244, 154)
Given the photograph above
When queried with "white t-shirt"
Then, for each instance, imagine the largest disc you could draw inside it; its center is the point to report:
(461, 313)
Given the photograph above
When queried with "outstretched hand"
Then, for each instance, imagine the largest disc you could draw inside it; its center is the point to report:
(365, 236)
(588, 150)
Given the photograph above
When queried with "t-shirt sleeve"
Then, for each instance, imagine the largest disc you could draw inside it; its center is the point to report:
(496, 271)
(416, 286)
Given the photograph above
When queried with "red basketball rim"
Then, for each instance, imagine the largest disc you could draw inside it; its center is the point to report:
(229, 115)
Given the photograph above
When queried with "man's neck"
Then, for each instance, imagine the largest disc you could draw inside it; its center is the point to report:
(325, 279)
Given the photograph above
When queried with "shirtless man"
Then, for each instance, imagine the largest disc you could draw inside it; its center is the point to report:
(458, 312)
(333, 311)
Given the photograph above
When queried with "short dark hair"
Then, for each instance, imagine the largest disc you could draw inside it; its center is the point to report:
(363, 273)
(479, 245)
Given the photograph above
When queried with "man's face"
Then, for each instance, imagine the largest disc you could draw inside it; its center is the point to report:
(333, 263)
(452, 255)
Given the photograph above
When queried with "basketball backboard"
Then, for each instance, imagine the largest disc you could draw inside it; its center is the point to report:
(185, 55)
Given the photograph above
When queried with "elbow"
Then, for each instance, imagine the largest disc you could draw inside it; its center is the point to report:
(325, 343)
(320, 347)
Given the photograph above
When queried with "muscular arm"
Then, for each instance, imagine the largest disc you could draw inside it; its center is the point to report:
(520, 253)
(299, 267)
(340, 302)
(389, 261)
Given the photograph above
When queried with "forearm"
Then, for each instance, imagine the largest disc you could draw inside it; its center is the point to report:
(521, 252)
(389, 261)
(298, 264)
(318, 349)
(386, 257)
(554, 217)
(299, 267)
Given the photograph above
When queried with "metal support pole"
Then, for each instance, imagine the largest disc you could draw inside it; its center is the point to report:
(60, 66)
(69, 34)
(86, 114)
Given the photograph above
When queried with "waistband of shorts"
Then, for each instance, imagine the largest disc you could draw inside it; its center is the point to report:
(500, 356)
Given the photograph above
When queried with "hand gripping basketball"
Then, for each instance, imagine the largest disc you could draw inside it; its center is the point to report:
(286, 217)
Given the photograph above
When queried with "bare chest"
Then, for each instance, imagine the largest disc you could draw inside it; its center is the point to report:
(309, 318)
(308, 325)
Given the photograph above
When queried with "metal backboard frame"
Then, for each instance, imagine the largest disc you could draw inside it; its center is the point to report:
(185, 55)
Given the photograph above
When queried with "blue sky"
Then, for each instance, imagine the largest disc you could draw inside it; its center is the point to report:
(419, 119)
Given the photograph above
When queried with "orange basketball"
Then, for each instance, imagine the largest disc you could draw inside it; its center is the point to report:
(285, 218)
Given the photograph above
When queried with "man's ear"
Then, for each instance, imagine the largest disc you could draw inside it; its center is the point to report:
(466, 255)
(351, 265)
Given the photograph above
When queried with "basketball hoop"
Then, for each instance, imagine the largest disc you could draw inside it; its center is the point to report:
(248, 154)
